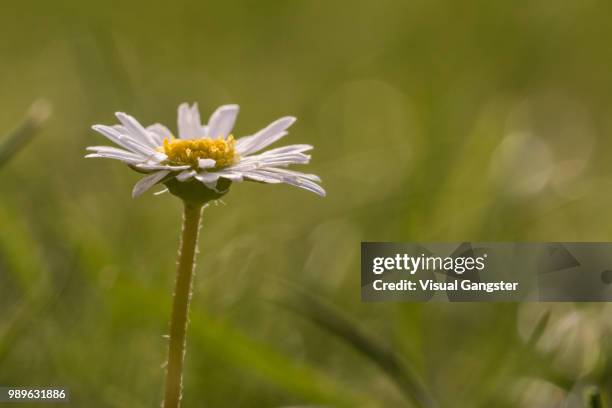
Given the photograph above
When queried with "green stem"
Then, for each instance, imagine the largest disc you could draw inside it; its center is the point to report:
(180, 304)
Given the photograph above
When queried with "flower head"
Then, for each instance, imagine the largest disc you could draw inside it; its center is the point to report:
(207, 156)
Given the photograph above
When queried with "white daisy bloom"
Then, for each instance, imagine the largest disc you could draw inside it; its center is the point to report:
(206, 153)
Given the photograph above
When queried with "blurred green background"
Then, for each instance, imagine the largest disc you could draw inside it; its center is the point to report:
(431, 120)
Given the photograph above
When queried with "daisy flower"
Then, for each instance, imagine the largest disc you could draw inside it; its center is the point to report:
(206, 154)
(198, 166)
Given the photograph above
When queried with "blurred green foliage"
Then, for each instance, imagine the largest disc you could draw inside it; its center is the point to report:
(432, 121)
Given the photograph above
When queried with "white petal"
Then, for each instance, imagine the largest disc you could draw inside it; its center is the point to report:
(116, 152)
(121, 129)
(110, 152)
(293, 174)
(290, 158)
(114, 136)
(242, 166)
(114, 157)
(136, 129)
(125, 140)
(310, 186)
(137, 137)
(305, 184)
(206, 163)
(271, 175)
(264, 137)
(256, 175)
(189, 123)
(235, 176)
(186, 175)
(159, 133)
(222, 121)
(283, 159)
(206, 177)
(296, 148)
(148, 153)
(147, 182)
(183, 120)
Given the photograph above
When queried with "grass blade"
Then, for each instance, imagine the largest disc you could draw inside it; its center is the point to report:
(336, 323)
(10, 145)
(593, 398)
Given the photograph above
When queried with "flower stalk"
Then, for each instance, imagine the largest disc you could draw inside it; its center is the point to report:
(180, 304)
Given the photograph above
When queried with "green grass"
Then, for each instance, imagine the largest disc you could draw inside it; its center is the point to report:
(407, 104)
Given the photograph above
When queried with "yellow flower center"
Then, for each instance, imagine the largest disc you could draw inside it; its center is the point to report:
(189, 151)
